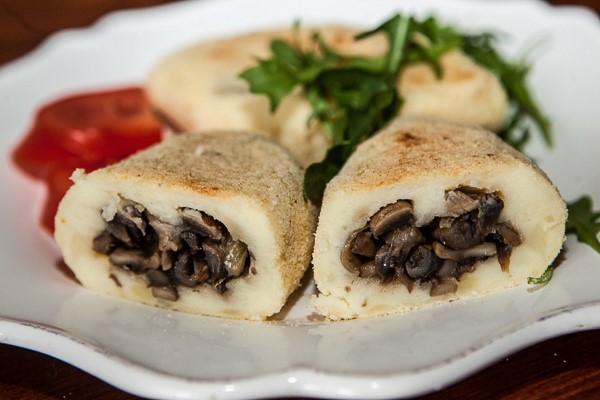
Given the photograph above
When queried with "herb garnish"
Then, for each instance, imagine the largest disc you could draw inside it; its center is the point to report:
(544, 278)
(352, 97)
(584, 222)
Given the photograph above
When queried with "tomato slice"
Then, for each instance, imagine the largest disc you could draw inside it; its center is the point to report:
(89, 131)
(102, 126)
(92, 128)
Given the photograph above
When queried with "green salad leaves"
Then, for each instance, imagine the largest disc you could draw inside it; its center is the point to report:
(352, 97)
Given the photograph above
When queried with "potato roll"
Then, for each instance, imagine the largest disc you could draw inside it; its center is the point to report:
(426, 212)
(198, 88)
(205, 223)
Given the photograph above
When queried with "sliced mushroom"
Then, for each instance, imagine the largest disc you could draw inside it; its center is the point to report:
(490, 208)
(459, 203)
(167, 259)
(390, 216)
(135, 234)
(471, 190)
(165, 293)
(368, 270)
(192, 239)
(364, 244)
(202, 223)
(445, 287)
(187, 272)
(120, 232)
(505, 237)
(459, 233)
(152, 261)
(449, 269)
(236, 254)
(504, 253)
(201, 269)
(214, 253)
(405, 237)
(158, 278)
(220, 285)
(349, 260)
(483, 250)
(387, 260)
(422, 263)
(133, 213)
(404, 279)
(134, 260)
(104, 243)
(509, 235)
(168, 235)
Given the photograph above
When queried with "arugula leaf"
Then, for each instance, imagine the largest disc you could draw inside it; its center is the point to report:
(397, 30)
(320, 173)
(513, 78)
(544, 278)
(584, 222)
(273, 77)
(515, 132)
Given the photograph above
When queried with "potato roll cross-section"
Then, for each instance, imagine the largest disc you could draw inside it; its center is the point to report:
(426, 212)
(206, 223)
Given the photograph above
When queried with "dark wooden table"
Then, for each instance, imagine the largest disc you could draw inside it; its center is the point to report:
(567, 367)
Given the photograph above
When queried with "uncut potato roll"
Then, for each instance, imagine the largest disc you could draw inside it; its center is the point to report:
(426, 212)
(198, 88)
(205, 223)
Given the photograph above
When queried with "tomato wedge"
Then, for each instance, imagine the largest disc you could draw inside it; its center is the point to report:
(88, 131)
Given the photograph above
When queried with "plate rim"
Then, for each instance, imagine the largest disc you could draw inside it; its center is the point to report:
(296, 380)
(304, 376)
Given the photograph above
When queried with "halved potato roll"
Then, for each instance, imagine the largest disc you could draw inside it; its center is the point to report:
(206, 223)
(426, 212)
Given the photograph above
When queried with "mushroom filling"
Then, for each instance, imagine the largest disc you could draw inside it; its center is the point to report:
(200, 250)
(391, 247)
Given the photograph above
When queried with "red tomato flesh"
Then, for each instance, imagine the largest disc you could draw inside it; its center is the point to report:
(88, 131)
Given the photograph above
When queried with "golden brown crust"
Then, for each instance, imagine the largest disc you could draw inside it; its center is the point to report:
(418, 149)
(216, 164)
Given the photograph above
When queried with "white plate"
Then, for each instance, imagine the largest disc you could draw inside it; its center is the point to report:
(159, 354)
